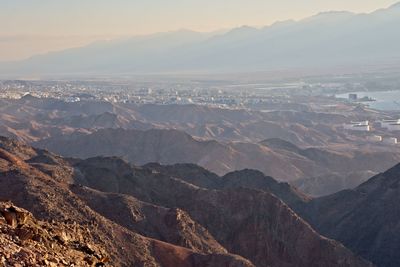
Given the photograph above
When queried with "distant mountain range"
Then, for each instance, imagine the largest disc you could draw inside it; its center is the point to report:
(329, 39)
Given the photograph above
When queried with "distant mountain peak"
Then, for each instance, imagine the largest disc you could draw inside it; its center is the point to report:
(330, 15)
(282, 22)
(243, 29)
(395, 6)
(334, 13)
(184, 30)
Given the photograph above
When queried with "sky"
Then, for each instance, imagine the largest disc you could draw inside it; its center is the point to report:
(39, 26)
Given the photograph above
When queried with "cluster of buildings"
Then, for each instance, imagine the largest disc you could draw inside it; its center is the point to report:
(390, 125)
(365, 126)
(141, 93)
(362, 126)
(384, 125)
(386, 140)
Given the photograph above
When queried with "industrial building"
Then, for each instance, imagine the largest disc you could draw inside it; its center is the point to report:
(362, 126)
(386, 123)
(394, 127)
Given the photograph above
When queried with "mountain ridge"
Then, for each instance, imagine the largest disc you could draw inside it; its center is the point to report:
(284, 162)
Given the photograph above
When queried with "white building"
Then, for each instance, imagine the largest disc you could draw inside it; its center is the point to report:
(362, 126)
(386, 123)
(394, 127)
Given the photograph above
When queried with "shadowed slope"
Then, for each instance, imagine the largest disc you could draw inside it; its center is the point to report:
(365, 219)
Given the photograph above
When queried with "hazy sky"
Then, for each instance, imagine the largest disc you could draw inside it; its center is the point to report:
(29, 27)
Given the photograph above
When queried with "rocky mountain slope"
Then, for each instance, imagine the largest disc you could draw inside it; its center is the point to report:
(143, 217)
(232, 216)
(365, 219)
(328, 184)
(247, 178)
(40, 182)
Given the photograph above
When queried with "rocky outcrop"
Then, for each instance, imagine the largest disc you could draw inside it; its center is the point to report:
(26, 241)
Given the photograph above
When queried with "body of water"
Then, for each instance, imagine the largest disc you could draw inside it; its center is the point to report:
(385, 100)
